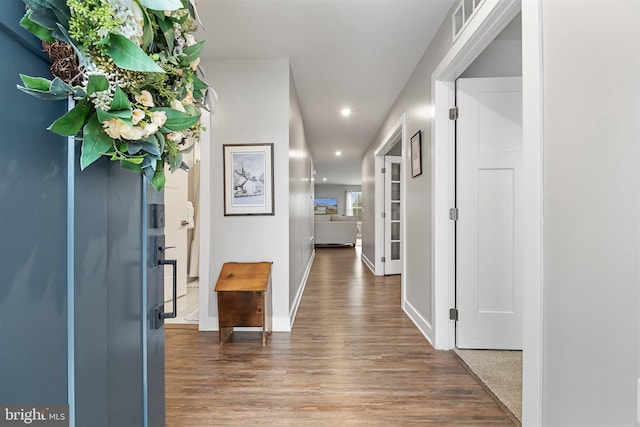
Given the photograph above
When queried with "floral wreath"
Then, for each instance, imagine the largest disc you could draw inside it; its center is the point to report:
(131, 67)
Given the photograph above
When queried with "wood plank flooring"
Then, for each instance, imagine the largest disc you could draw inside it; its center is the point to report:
(353, 358)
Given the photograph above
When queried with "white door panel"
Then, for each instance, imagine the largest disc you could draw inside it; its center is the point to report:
(175, 199)
(489, 227)
(393, 213)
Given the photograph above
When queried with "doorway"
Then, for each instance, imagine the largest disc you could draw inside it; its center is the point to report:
(489, 213)
(488, 220)
(390, 192)
(182, 195)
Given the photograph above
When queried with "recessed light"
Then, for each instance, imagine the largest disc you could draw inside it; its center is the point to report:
(346, 112)
(338, 153)
(324, 179)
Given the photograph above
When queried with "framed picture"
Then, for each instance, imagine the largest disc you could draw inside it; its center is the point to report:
(416, 154)
(248, 179)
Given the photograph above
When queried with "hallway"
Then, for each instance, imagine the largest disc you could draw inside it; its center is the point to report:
(352, 358)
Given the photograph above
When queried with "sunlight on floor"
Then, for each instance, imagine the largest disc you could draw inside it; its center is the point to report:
(187, 306)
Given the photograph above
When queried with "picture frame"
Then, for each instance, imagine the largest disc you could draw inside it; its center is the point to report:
(416, 154)
(248, 179)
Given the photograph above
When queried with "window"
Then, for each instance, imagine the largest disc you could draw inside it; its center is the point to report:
(354, 207)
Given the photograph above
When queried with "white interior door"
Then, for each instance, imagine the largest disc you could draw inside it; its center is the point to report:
(175, 199)
(392, 215)
(489, 201)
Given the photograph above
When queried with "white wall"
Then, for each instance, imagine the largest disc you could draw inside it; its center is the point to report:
(301, 202)
(415, 101)
(591, 212)
(253, 107)
(503, 56)
(337, 191)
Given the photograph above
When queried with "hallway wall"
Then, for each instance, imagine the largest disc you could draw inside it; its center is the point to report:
(591, 243)
(254, 106)
(415, 101)
(300, 201)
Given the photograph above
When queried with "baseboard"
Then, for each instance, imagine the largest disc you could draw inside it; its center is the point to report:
(208, 324)
(296, 302)
(368, 263)
(421, 323)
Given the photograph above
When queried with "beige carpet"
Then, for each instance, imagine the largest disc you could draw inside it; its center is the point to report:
(501, 372)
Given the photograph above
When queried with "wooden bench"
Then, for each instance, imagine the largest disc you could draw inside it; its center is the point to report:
(244, 298)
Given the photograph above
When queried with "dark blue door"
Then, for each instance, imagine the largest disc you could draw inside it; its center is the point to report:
(78, 275)
(33, 231)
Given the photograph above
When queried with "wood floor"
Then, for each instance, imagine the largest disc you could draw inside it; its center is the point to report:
(353, 358)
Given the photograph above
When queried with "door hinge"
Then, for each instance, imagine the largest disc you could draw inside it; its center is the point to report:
(453, 214)
(383, 259)
(384, 215)
(453, 314)
(384, 170)
(453, 113)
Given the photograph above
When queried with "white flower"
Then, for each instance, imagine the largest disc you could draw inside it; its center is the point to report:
(175, 136)
(132, 133)
(129, 13)
(138, 115)
(177, 105)
(145, 98)
(150, 128)
(188, 99)
(194, 64)
(158, 118)
(117, 129)
(189, 39)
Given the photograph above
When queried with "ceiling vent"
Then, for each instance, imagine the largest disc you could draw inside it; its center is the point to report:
(462, 15)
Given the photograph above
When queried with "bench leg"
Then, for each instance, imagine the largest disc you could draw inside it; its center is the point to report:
(223, 333)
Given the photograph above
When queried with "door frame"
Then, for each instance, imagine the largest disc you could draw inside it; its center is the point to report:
(398, 131)
(206, 322)
(490, 19)
(386, 202)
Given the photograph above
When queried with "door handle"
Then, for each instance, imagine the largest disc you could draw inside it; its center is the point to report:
(174, 264)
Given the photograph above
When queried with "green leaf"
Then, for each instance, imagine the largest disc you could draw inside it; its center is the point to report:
(128, 55)
(127, 164)
(120, 100)
(36, 29)
(44, 17)
(124, 115)
(177, 120)
(149, 168)
(159, 14)
(97, 83)
(166, 26)
(95, 142)
(147, 31)
(159, 179)
(193, 52)
(59, 87)
(151, 148)
(42, 94)
(161, 4)
(71, 123)
(199, 84)
(37, 83)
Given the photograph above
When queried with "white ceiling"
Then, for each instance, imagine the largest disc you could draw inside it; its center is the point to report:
(343, 53)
